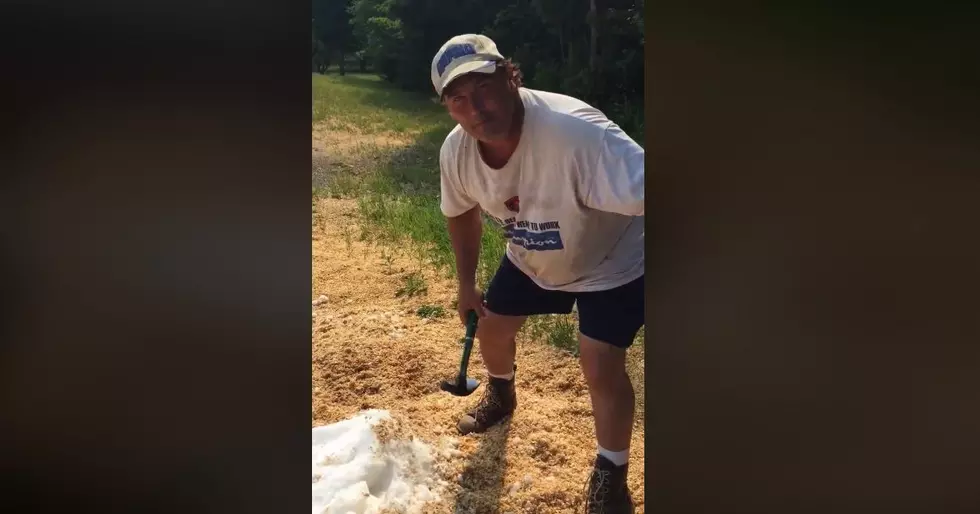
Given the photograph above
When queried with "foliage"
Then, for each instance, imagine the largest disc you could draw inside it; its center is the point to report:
(333, 30)
(591, 49)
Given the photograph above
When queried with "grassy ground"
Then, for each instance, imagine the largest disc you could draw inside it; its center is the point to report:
(381, 146)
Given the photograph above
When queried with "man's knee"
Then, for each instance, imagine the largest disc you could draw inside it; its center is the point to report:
(602, 363)
(494, 329)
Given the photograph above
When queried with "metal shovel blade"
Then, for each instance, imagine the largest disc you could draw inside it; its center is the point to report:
(460, 388)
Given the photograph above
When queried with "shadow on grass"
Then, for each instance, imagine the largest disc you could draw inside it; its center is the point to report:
(366, 80)
(483, 478)
(417, 165)
(400, 201)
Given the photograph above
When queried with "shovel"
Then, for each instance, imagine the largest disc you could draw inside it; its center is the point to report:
(464, 386)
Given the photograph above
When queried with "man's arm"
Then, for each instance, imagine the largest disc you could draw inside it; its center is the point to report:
(462, 214)
(465, 232)
(616, 181)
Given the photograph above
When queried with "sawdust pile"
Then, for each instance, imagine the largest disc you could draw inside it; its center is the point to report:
(370, 350)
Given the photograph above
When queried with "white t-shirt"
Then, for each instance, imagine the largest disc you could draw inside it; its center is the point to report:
(570, 198)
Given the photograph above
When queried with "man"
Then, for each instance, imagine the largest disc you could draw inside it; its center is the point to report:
(566, 184)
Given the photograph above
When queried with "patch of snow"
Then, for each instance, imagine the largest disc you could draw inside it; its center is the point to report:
(353, 473)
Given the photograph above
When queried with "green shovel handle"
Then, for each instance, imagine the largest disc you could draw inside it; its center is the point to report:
(471, 323)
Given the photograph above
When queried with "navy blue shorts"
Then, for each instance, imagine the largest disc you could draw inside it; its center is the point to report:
(613, 316)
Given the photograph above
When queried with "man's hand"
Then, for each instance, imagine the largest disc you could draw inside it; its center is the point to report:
(470, 299)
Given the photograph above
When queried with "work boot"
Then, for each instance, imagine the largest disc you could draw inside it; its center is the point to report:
(606, 491)
(498, 401)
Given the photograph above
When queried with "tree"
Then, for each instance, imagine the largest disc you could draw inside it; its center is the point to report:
(321, 58)
(591, 49)
(379, 34)
(331, 20)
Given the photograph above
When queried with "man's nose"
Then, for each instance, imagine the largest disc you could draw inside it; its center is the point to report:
(476, 102)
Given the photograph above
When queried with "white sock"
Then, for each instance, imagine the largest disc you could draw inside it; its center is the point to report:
(509, 376)
(617, 458)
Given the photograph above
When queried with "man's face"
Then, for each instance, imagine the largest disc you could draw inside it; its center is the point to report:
(483, 104)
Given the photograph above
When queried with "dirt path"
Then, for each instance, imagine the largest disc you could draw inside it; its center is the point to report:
(370, 350)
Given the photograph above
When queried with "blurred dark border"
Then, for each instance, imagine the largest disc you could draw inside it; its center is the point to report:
(812, 328)
(156, 252)
(813, 332)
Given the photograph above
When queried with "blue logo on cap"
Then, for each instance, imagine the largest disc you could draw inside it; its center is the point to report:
(452, 53)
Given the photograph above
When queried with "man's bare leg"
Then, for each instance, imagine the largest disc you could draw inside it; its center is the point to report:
(498, 347)
(611, 391)
(496, 334)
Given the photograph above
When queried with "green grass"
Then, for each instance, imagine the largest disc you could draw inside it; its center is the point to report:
(413, 284)
(398, 189)
(431, 311)
(415, 219)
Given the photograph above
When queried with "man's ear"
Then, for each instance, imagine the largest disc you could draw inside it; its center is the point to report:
(512, 84)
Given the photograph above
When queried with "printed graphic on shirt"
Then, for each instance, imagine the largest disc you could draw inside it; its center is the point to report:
(531, 235)
(513, 204)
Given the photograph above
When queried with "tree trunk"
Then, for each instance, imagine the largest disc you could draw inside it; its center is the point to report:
(343, 64)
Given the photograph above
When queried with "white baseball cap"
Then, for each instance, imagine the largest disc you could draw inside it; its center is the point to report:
(466, 53)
